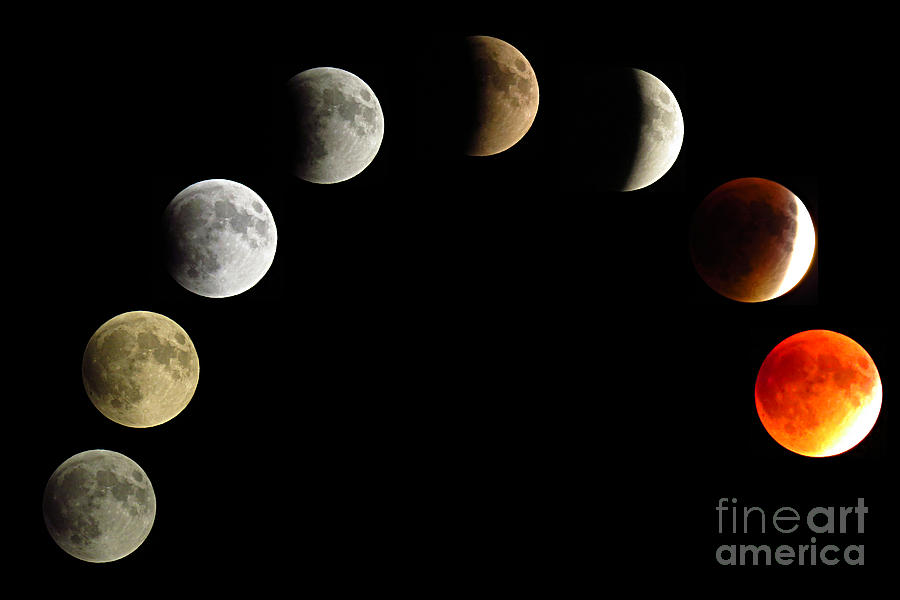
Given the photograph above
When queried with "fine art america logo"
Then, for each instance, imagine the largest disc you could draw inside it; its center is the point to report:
(751, 521)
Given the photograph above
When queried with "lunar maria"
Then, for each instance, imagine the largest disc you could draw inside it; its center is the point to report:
(735, 520)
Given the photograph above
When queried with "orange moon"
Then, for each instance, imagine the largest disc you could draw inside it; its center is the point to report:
(818, 393)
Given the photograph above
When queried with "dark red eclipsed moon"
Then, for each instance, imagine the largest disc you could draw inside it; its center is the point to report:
(818, 393)
(752, 239)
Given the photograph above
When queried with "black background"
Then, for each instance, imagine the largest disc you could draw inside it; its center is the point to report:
(459, 373)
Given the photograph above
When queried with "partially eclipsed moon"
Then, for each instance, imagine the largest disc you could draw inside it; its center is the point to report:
(337, 124)
(661, 132)
(752, 240)
(818, 393)
(504, 95)
(220, 238)
(140, 369)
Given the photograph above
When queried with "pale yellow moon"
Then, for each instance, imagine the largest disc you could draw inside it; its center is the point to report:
(140, 369)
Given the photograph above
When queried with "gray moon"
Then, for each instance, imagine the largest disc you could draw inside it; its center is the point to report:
(220, 238)
(661, 132)
(140, 369)
(338, 124)
(99, 506)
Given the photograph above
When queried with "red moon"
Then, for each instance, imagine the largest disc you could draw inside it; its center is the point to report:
(818, 393)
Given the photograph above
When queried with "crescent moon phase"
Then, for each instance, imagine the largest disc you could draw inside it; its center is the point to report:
(622, 131)
(661, 132)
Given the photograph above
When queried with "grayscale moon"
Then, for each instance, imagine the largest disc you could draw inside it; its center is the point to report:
(99, 506)
(338, 124)
(140, 369)
(661, 132)
(220, 238)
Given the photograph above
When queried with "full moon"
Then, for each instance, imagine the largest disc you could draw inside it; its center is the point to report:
(337, 123)
(752, 240)
(818, 393)
(140, 369)
(99, 506)
(220, 238)
(504, 95)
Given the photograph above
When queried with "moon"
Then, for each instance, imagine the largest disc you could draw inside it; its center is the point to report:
(622, 128)
(661, 132)
(752, 240)
(140, 369)
(505, 95)
(818, 393)
(337, 124)
(220, 238)
(99, 506)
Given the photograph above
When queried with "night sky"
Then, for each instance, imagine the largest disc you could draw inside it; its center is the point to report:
(459, 373)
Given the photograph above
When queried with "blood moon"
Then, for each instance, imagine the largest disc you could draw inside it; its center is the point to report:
(818, 393)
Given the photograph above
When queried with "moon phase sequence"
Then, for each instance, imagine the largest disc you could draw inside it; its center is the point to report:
(99, 506)
(140, 369)
(817, 393)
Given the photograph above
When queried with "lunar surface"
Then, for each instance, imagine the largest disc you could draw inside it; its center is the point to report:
(505, 95)
(818, 393)
(140, 369)
(99, 506)
(338, 124)
(220, 238)
(752, 240)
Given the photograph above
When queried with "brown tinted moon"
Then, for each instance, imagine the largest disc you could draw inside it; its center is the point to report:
(140, 369)
(505, 95)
